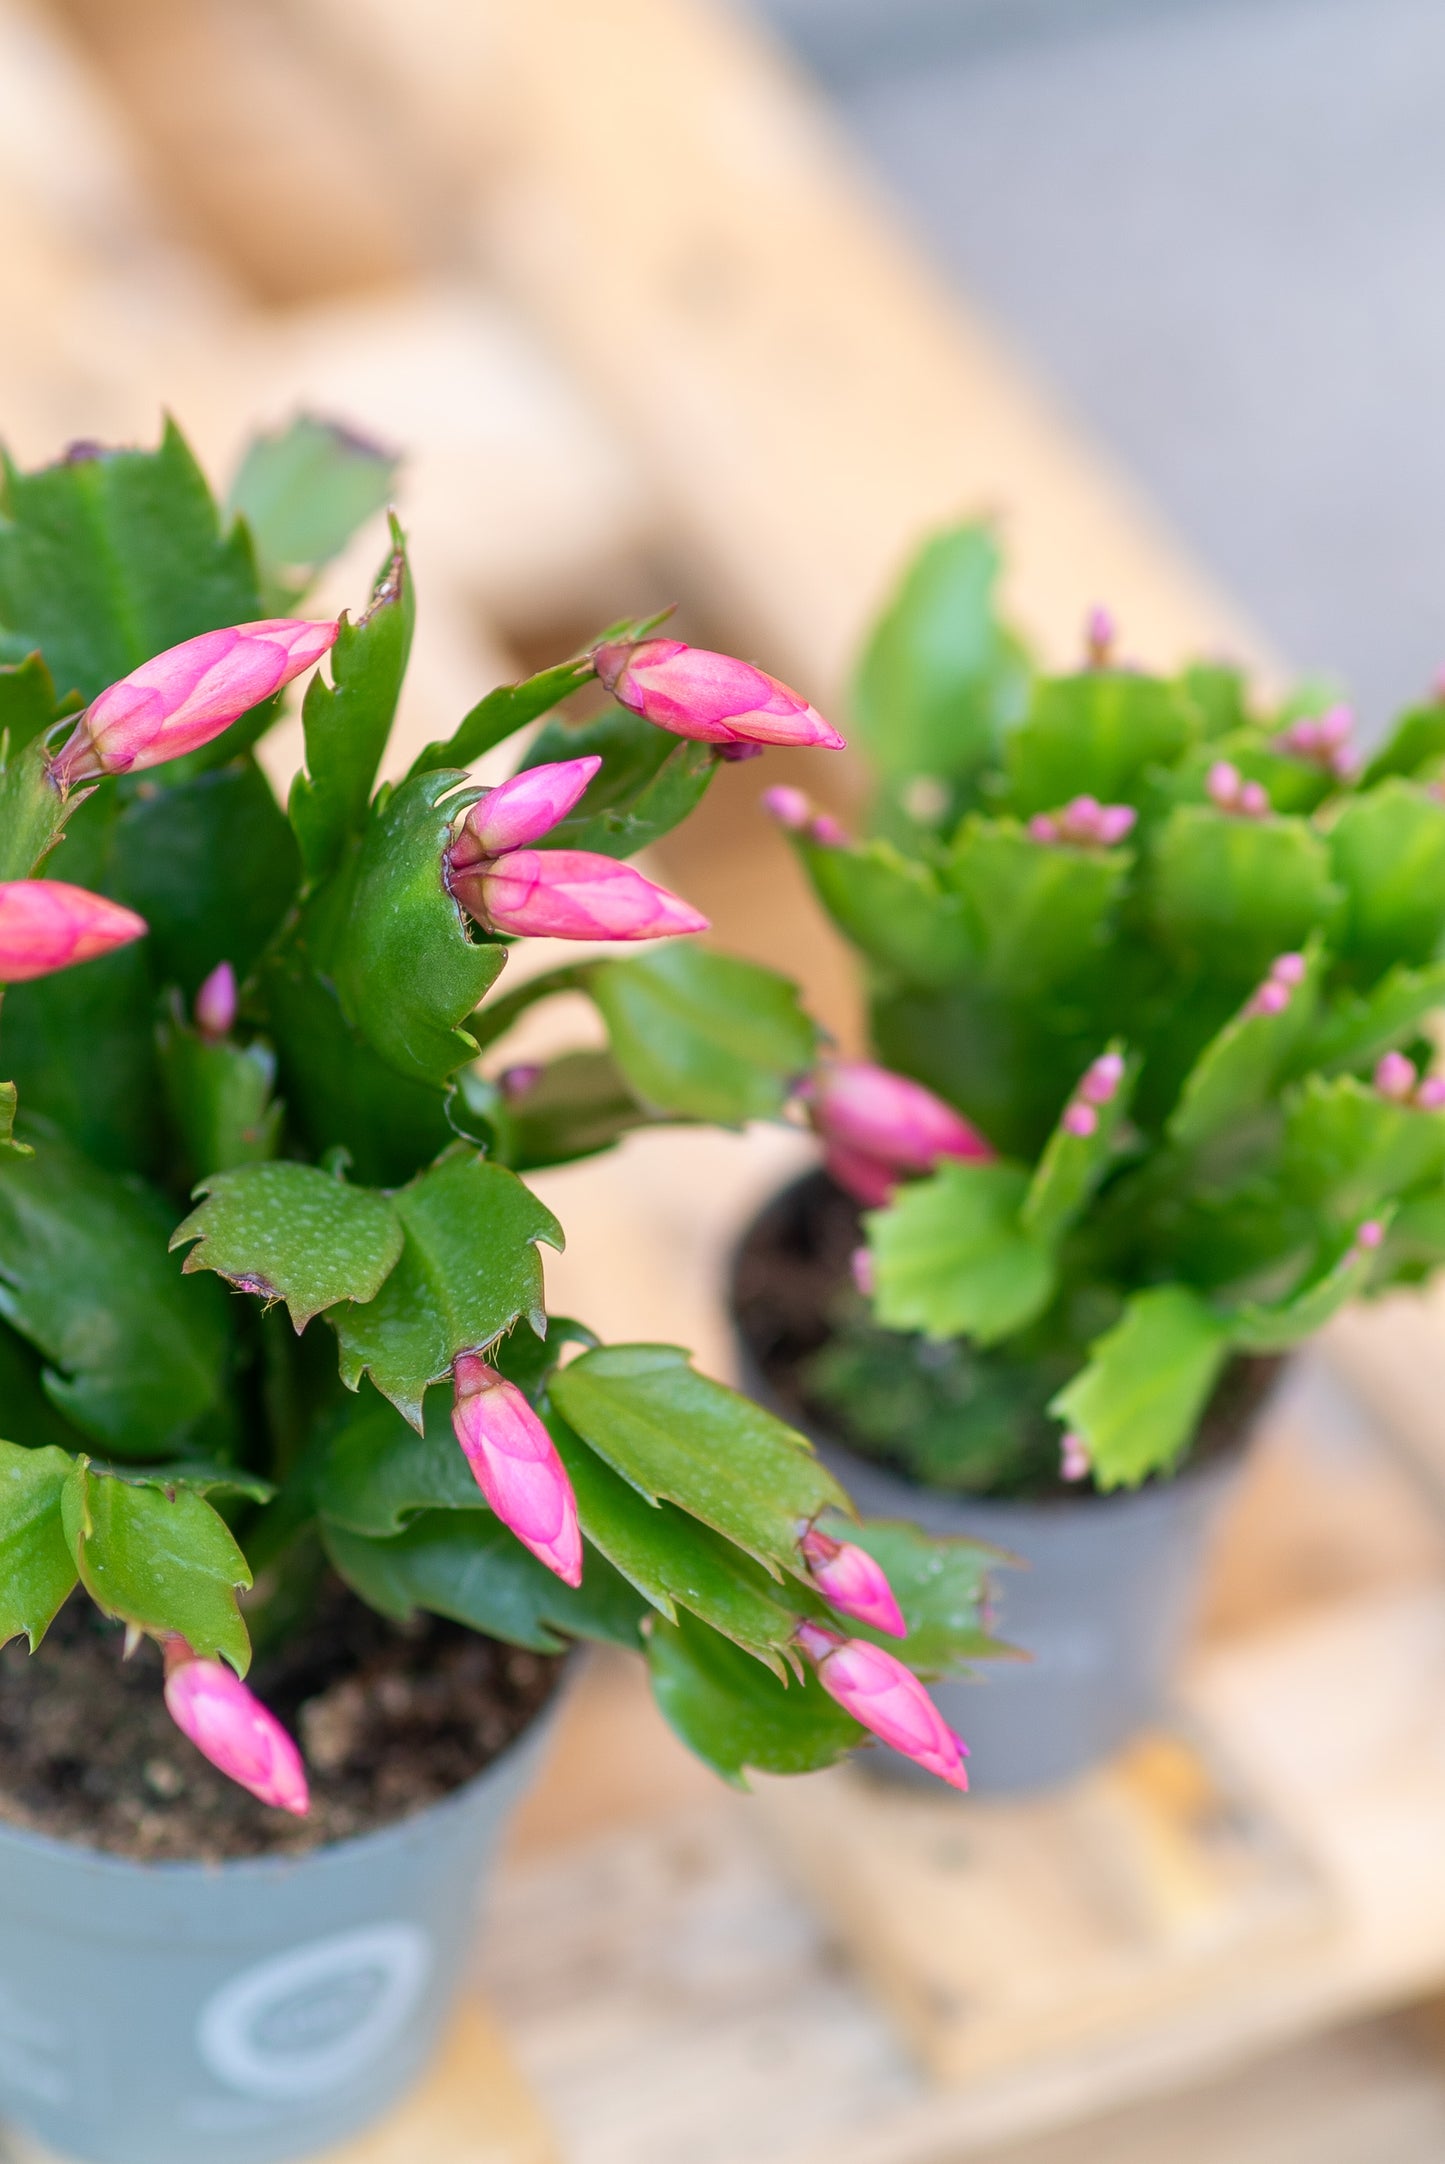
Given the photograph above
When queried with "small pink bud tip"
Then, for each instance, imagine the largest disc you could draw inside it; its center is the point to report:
(1084, 824)
(515, 1082)
(790, 807)
(864, 1276)
(1114, 822)
(182, 698)
(1271, 998)
(1043, 827)
(46, 925)
(887, 1699)
(1430, 1096)
(827, 833)
(216, 1002)
(1075, 1460)
(1100, 633)
(570, 894)
(229, 1725)
(856, 1106)
(1370, 1234)
(709, 696)
(867, 1179)
(1395, 1077)
(1223, 784)
(1101, 1080)
(1080, 1120)
(1288, 969)
(515, 1463)
(853, 1582)
(1253, 800)
(522, 810)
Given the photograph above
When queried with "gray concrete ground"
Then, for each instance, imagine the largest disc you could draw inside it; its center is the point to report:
(1217, 227)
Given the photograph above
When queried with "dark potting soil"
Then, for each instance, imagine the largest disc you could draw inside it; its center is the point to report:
(794, 1267)
(389, 1718)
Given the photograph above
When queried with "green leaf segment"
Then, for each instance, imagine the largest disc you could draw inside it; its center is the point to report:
(336, 1157)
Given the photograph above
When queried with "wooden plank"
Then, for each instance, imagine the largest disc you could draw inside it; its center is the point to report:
(472, 2108)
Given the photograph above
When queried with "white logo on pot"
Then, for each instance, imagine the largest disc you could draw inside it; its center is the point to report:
(315, 2018)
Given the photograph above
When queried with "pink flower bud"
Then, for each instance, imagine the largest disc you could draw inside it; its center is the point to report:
(571, 894)
(1114, 822)
(1370, 1234)
(1430, 1096)
(216, 1002)
(859, 1107)
(1223, 783)
(1075, 1460)
(867, 1179)
(46, 925)
(516, 1465)
(1101, 1079)
(1084, 823)
(1272, 997)
(1334, 727)
(1080, 1120)
(709, 696)
(522, 810)
(1253, 801)
(229, 1725)
(790, 807)
(850, 1578)
(887, 1699)
(515, 1082)
(862, 1272)
(1044, 827)
(827, 833)
(1288, 969)
(1100, 632)
(1395, 1077)
(182, 698)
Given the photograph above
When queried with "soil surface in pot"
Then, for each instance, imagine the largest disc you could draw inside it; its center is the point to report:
(792, 1270)
(390, 1719)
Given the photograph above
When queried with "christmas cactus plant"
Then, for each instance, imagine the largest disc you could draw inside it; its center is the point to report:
(1152, 968)
(271, 1299)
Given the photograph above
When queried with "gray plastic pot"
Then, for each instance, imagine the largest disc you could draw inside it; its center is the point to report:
(237, 2013)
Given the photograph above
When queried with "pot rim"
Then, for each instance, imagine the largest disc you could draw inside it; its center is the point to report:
(51, 1850)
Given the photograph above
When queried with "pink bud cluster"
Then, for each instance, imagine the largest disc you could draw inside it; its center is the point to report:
(515, 1464)
(1098, 1085)
(1084, 824)
(794, 812)
(887, 1699)
(709, 697)
(1398, 1078)
(229, 1725)
(216, 1003)
(553, 893)
(1100, 635)
(46, 925)
(184, 697)
(877, 1127)
(850, 1578)
(1230, 792)
(1323, 738)
(1369, 1235)
(1075, 1459)
(1286, 974)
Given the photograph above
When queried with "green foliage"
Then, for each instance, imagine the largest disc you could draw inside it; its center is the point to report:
(294, 1233)
(1213, 1212)
(738, 1715)
(160, 1558)
(703, 1036)
(305, 489)
(37, 1568)
(647, 784)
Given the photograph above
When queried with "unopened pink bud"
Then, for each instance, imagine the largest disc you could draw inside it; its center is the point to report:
(1370, 1234)
(1114, 822)
(864, 1275)
(790, 807)
(1395, 1077)
(516, 1466)
(1101, 1079)
(571, 894)
(182, 698)
(1288, 969)
(853, 1582)
(857, 1106)
(216, 1002)
(1253, 800)
(1044, 827)
(1431, 1094)
(229, 1725)
(709, 696)
(522, 810)
(1100, 632)
(867, 1179)
(46, 925)
(1080, 1120)
(515, 1082)
(1333, 728)
(1075, 1459)
(1271, 998)
(887, 1699)
(1223, 784)
(827, 833)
